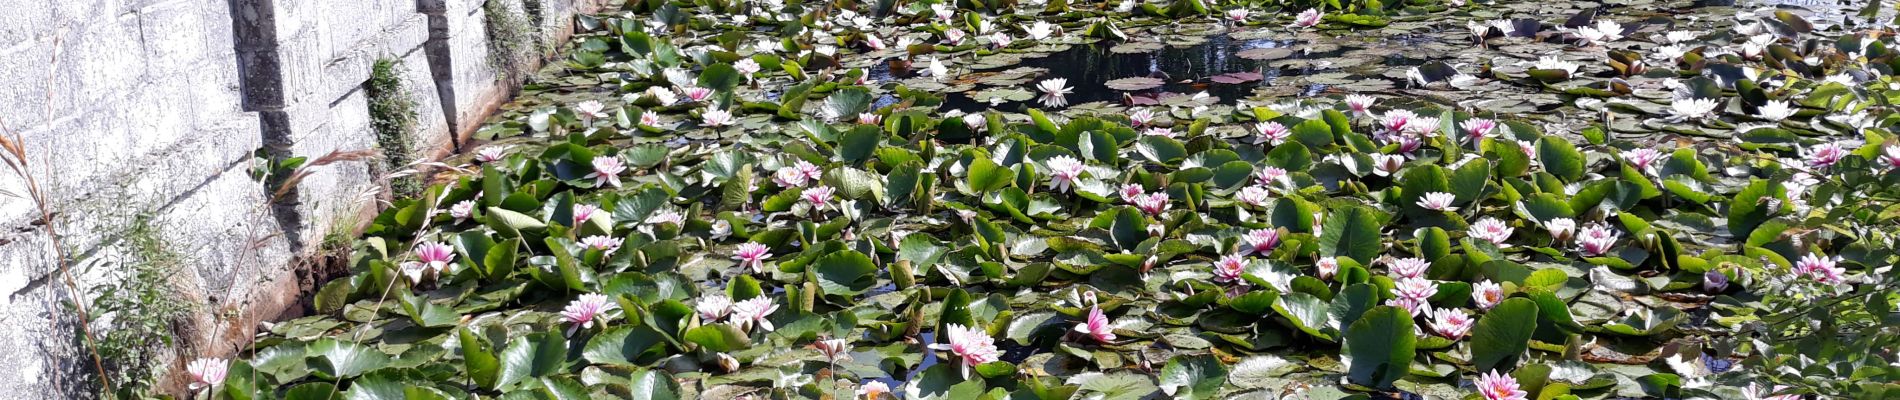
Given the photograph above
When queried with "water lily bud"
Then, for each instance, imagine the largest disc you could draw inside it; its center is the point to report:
(726, 361)
(1714, 281)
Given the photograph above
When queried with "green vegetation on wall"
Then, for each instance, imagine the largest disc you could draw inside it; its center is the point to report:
(393, 114)
(140, 313)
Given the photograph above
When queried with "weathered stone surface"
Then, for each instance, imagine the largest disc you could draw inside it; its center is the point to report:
(152, 110)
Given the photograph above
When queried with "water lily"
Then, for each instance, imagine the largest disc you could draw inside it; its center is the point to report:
(1495, 385)
(977, 122)
(1561, 228)
(1670, 53)
(586, 310)
(1476, 129)
(591, 109)
(1604, 32)
(1415, 288)
(1229, 269)
(1387, 164)
(1260, 241)
(1272, 133)
(491, 154)
(1153, 203)
(1327, 267)
(1395, 120)
(1040, 30)
(753, 312)
(1451, 323)
(1822, 269)
(1237, 15)
(1272, 177)
(1054, 91)
(1824, 155)
(1131, 192)
(1000, 40)
(605, 244)
(1478, 29)
(943, 11)
(1423, 126)
(871, 41)
(954, 36)
(1437, 201)
(1141, 117)
(1063, 172)
(818, 196)
(869, 119)
(1679, 36)
(1775, 110)
(696, 94)
(1693, 108)
(1254, 196)
(462, 209)
(606, 171)
(1159, 131)
(433, 255)
(1096, 327)
(1360, 104)
(1412, 306)
(1487, 294)
(1490, 230)
(665, 217)
(874, 390)
(938, 70)
(713, 308)
(662, 95)
(752, 255)
(207, 372)
(747, 67)
(650, 118)
(1714, 281)
(1596, 240)
(1409, 267)
(789, 177)
(973, 346)
(716, 118)
(1556, 63)
(1891, 157)
(1307, 18)
(1643, 159)
(834, 349)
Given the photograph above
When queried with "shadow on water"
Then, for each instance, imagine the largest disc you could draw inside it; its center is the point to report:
(1186, 70)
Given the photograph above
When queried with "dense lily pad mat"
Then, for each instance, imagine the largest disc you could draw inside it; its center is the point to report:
(761, 200)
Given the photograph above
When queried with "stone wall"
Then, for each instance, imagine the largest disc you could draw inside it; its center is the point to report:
(152, 111)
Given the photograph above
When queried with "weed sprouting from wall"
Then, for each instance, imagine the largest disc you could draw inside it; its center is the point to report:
(392, 114)
(142, 312)
(511, 38)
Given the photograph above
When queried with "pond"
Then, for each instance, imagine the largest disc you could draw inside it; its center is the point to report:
(1166, 199)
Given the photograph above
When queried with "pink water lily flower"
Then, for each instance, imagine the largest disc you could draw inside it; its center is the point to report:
(818, 196)
(462, 209)
(1153, 203)
(583, 212)
(650, 118)
(1158, 131)
(1821, 268)
(1410, 267)
(696, 94)
(1415, 288)
(754, 312)
(1229, 269)
(1395, 120)
(605, 244)
(1141, 117)
(1643, 159)
(1237, 15)
(1491, 230)
(1487, 294)
(1307, 19)
(1131, 192)
(1412, 306)
(973, 346)
(1272, 133)
(607, 171)
(1260, 241)
(874, 390)
(1360, 104)
(1890, 156)
(1451, 323)
(1423, 126)
(752, 255)
(834, 349)
(1272, 177)
(1476, 129)
(1096, 327)
(1437, 201)
(207, 372)
(1327, 266)
(1495, 385)
(1596, 240)
(490, 154)
(713, 308)
(717, 118)
(434, 255)
(1825, 155)
(869, 119)
(1063, 172)
(1254, 196)
(1387, 164)
(583, 312)
(1561, 229)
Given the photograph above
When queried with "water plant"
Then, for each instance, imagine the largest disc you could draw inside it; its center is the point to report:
(878, 204)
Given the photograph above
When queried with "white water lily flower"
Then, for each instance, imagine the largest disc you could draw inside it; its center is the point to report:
(1679, 36)
(943, 11)
(1552, 62)
(717, 118)
(938, 69)
(1040, 30)
(1053, 91)
(1775, 110)
(1669, 53)
(1237, 15)
(1693, 108)
(1307, 19)
(1604, 32)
